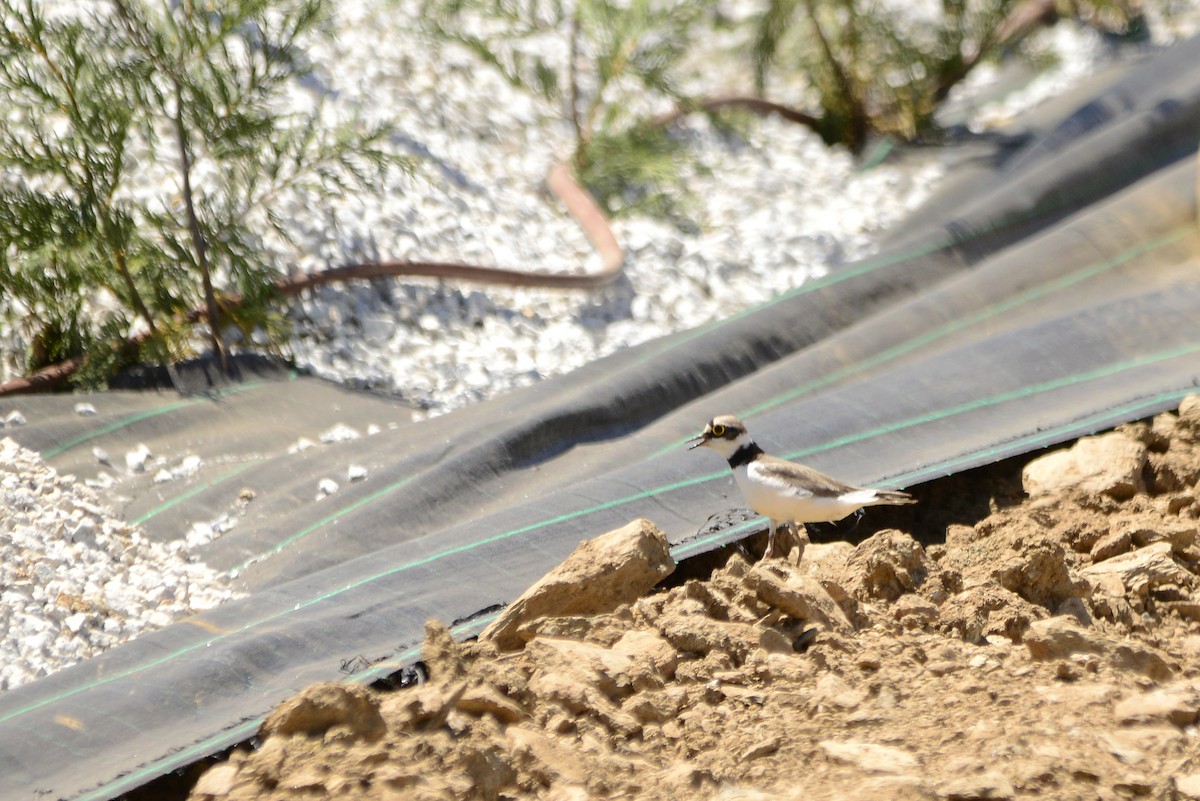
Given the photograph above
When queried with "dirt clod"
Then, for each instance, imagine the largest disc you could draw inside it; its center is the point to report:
(600, 575)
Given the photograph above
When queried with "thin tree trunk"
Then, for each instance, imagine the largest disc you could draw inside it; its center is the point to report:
(198, 243)
(139, 305)
(856, 115)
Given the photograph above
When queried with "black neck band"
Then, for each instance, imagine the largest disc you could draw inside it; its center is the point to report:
(745, 454)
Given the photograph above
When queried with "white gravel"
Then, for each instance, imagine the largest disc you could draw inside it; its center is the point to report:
(772, 210)
(75, 579)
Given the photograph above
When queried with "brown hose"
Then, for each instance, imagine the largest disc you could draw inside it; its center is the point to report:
(43, 380)
(579, 204)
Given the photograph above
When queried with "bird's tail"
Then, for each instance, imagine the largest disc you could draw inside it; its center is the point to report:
(875, 497)
(893, 498)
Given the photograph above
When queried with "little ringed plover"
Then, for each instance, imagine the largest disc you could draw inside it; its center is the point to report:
(786, 492)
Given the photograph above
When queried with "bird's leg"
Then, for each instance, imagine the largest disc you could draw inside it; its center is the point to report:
(785, 540)
(858, 516)
(797, 541)
(770, 552)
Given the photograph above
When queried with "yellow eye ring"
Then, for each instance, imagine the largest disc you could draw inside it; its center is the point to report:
(718, 431)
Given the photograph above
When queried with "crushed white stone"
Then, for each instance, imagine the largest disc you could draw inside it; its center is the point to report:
(75, 579)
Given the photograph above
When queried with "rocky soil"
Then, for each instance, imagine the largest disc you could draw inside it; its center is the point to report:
(1046, 650)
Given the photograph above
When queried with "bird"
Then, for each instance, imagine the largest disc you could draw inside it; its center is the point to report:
(786, 492)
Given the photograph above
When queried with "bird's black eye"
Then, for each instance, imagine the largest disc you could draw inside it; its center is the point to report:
(718, 430)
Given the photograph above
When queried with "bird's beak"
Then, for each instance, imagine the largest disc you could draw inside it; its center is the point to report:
(696, 442)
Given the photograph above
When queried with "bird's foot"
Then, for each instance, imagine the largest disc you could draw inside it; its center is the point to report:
(795, 540)
(787, 542)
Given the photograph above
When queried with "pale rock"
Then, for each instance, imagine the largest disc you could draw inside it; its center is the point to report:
(560, 761)
(885, 566)
(301, 445)
(484, 699)
(84, 532)
(163, 476)
(200, 534)
(581, 696)
(598, 576)
(70, 557)
(832, 690)
(826, 560)
(356, 472)
(1062, 637)
(321, 707)
(1187, 427)
(14, 419)
(1110, 464)
(700, 634)
(188, 466)
(1146, 530)
(583, 662)
(85, 410)
(217, 782)
(339, 433)
(1110, 545)
(762, 748)
(75, 622)
(135, 460)
(1187, 786)
(1140, 571)
(913, 611)
(326, 487)
(869, 757)
(649, 658)
(967, 786)
(885, 787)
(784, 587)
(1177, 703)
(1133, 743)
(102, 481)
(101, 456)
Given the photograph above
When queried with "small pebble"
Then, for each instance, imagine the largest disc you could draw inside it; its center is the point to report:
(339, 433)
(135, 460)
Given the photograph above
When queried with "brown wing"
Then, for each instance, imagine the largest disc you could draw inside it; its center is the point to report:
(815, 482)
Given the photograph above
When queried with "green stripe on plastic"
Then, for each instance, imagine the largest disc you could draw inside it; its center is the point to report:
(191, 493)
(324, 521)
(137, 417)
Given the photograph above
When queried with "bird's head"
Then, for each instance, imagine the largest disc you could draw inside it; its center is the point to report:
(724, 434)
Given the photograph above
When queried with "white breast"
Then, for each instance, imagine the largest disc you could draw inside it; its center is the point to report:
(781, 500)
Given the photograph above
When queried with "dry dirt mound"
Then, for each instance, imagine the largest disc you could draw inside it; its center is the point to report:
(1047, 651)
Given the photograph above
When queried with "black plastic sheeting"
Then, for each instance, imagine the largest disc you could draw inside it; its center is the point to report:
(930, 359)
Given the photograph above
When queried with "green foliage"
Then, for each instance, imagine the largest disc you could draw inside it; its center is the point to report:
(613, 61)
(873, 65)
(199, 84)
